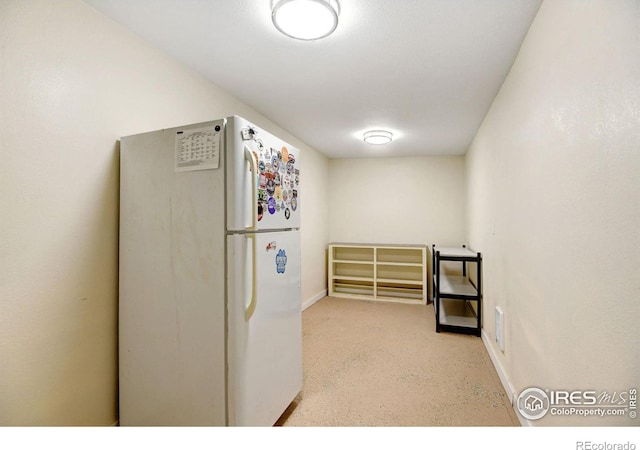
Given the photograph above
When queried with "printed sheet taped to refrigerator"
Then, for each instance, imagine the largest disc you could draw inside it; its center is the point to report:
(197, 149)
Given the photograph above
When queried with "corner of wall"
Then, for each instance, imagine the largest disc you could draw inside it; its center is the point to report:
(314, 299)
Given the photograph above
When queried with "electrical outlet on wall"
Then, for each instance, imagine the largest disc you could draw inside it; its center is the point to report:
(500, 328)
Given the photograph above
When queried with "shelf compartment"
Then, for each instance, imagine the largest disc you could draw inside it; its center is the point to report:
(390, 290)
(353, 254)
(353, 288)
(456, 254)
(402, 264)
(455, 286)
(351, 278)
(346, 261)
(457, 314)
(399, 255)
(353, 269)
(397, 280)
(399, 272)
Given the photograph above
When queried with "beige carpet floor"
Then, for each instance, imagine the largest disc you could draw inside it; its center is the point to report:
(382, 364)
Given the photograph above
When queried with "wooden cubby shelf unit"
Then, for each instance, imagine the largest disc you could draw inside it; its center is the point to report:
(457, 298)
(378, 272)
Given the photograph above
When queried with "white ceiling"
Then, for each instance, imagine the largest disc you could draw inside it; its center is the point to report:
(427, 70)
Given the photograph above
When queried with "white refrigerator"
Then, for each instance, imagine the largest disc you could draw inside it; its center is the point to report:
(210, 327)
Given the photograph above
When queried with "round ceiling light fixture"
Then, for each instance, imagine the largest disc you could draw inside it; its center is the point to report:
(305, 19)
(378, 137)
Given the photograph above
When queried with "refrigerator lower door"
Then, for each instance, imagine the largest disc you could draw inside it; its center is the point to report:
(265, 326)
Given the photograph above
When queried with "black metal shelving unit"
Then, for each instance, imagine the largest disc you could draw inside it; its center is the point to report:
(457, 298)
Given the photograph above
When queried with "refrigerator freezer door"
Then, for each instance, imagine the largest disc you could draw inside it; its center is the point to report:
(274, 199)
(265, 350)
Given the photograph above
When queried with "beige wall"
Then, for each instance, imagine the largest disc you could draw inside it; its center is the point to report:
(314, 225)
(72, 82)
(554, 203)
(417, 200)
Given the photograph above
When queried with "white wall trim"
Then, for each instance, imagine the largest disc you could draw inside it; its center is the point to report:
(314, 299)
(504, 379)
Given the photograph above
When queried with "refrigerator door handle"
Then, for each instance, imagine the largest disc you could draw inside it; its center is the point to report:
(252, 304)
(253, 165)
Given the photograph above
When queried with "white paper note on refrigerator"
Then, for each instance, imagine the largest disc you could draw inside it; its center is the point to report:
(197, 149)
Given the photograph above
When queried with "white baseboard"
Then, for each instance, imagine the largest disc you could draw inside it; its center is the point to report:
(314, 299)
(504, 379)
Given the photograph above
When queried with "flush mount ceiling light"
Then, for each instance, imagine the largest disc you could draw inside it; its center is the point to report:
(305, 19)
(378, 137)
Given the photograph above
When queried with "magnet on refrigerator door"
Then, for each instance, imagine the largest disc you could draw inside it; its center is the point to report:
(271, 205)
(271, 186)
(277, 194)
(281, 261)
(247, 133)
